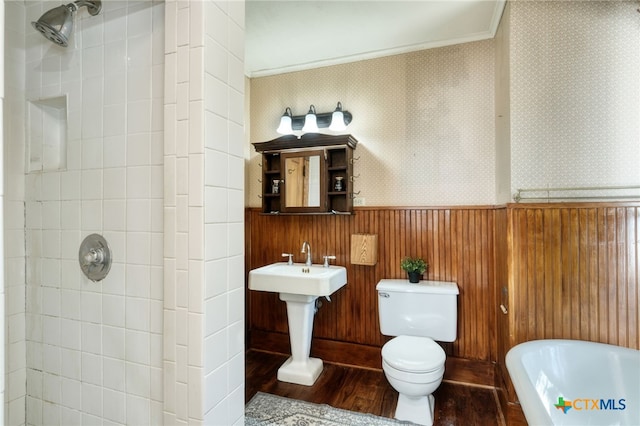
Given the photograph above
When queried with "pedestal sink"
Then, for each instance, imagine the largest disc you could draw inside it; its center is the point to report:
(299, 286)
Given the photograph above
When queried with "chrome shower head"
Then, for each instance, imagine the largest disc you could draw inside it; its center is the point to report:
(57, 24)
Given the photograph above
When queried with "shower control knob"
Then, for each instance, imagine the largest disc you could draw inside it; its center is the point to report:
(95, 257)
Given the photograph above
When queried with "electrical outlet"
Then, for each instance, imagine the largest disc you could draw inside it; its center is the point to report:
(359, 201)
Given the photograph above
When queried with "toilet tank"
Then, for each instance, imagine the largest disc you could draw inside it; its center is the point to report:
(428, 309)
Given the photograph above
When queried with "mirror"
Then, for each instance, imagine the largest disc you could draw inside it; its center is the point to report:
(302, 178)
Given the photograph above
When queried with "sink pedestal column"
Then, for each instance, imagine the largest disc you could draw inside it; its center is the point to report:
(300, 368)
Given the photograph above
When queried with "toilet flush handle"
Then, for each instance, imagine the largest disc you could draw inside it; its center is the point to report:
(383, 294)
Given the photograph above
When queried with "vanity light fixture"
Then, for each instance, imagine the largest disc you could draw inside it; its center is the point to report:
(337, 120)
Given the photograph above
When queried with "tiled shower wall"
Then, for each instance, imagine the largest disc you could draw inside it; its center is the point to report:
(93, 351)
(14, 230)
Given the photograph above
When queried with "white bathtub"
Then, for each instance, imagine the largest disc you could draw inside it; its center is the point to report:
(597, 384)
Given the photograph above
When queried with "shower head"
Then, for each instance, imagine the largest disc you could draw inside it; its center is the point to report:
(57, 24)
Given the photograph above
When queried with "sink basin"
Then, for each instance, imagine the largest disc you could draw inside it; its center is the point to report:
(314, 280)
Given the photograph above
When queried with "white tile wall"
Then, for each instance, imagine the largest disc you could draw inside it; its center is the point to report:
(86, 351)
(201, 228)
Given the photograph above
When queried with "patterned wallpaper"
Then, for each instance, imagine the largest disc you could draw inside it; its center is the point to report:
(575, 94)
(568, 80)
(424, 122)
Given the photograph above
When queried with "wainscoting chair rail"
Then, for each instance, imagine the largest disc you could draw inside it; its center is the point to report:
(627, 192)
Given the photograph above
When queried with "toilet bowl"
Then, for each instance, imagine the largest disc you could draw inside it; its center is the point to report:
(414, 367)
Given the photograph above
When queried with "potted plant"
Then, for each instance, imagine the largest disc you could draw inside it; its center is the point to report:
(415, 267)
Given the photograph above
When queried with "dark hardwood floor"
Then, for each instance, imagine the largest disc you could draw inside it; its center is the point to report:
(367, 391)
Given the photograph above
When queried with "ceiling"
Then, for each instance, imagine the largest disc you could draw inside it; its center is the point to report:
(293, 35)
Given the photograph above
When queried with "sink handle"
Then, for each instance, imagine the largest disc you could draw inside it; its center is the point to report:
(326, 260)
(290, 261)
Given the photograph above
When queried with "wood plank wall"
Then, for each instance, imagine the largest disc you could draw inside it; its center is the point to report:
(574, 272)
(457, 242)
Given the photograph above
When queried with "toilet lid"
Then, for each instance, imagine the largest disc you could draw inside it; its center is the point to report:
(413, 354)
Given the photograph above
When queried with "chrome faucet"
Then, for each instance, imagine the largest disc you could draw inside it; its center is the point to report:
(306, 248)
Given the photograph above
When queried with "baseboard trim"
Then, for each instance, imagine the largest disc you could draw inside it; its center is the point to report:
(461, 370)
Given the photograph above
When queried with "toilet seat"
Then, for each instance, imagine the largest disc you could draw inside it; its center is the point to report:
(413, 354)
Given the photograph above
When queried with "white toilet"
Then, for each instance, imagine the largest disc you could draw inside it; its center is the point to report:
(413, 362)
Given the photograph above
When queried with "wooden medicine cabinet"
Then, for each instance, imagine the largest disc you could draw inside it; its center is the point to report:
(312, 174)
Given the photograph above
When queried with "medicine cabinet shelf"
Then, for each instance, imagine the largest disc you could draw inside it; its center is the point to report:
(301, 175)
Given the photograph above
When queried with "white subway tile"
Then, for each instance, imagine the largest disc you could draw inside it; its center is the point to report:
(138, 379)
(138, 280)
(182, 101)
(196, 179)
(217, 23)
(196, 73)
(215, 349)
(115, 183)
(114, 215)
(182, 29)
(138, 182)
(139, 84)
(92, 369)
(138, 410)
(114, 121)
(115, 151)
(138, 314)
(51, 390)
(70, 306)
(216, 96)
(137, 347)
(91, 402)
(196, 127)
(215, 388)
(113, 310)
(113, 373)
(115, 61)
(113, 343)
(72, 336)
(92, 31)
(182, 71)
(71, 361)
(114, 406)
(139, 20)
(51, 359)
(195, 392)
(138, 215)
(217, 60)
(182, 328)
(92, 338)
(139, 53)
(92, 62)
(91, 307)
(70, 185)
(139, 116)
(216, 277)
(216, 312)
(170, 78)
(91, 184)
(235, 339)
(215, 241)
(196, 350)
